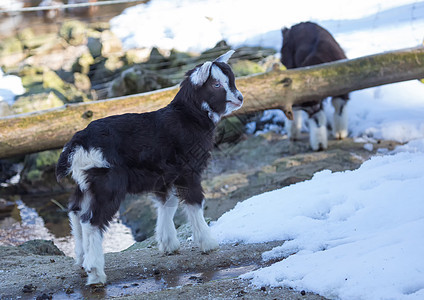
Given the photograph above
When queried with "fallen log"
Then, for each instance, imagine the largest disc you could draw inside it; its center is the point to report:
(51, 129)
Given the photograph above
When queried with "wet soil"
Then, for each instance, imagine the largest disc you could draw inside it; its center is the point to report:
(142, 273)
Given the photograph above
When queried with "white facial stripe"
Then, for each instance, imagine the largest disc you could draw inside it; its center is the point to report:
(234, 103)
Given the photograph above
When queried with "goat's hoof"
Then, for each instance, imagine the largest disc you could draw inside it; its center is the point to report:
(96, 277)
(171, 247)
(209, 246)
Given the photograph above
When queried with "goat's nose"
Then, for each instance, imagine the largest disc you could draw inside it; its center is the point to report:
(240, 97)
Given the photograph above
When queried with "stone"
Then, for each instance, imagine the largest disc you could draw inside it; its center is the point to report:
(36, 101)
(94, 46)
(41, 247)
(246, 67)
(82, 82)
(83, 63)
(73, 32)
(111, 44)
(137, 80)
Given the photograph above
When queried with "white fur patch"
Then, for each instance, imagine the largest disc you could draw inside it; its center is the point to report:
(94, 261)
(294, 128)
(201, 230)
(201, 74)
(83, 160)
(77, 234)
(318, 131)
(214, 116)
(225, 57)
(166, 235)
(340, 126)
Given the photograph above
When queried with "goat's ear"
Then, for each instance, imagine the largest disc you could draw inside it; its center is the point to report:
(201, 74)
(225, 57)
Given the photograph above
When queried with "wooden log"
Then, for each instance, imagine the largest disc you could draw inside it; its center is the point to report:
(51, 129)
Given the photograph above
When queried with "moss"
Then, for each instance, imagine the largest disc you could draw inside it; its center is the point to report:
(82, 64)
(38, 101)
(246, 67)
(11, 46)
(52, 81)
(73, 32)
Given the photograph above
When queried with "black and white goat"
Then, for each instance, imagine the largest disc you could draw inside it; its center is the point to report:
(307, 44)
(163, 152)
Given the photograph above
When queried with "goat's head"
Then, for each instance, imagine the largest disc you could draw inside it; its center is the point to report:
(215, 86)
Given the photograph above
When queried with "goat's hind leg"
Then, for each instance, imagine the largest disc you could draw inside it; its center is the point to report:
(77, 234)
(94, 261)
(92, 238)
(166, 235)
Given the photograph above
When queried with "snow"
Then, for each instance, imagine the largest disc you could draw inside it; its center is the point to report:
(349, 235)
(10, 86)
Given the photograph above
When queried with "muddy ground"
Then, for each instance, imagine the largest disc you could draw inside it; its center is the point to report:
(142, 274)
(237, 171)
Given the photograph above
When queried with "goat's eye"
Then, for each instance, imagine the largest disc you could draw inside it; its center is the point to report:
(217, 85)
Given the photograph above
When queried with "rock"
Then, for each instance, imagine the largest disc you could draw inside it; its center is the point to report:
(178, 59)
(6, 207)
(95, 46)
(11, 45)
(229, 130)
(39, 172)
(82, 64)
(137, 80)
(136, 56)
(73, 32)
(252, 53)
(246, 67)
(210, 54)
(5, 109)
(139, 213)
(41, 247)
(11, 52)
(111, 44)
(36, 101)
(157, 60)
(82, 82)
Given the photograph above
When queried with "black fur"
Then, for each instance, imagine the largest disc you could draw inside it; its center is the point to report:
(149, 152)
(307, 44)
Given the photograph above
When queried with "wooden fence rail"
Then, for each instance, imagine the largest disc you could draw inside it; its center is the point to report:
(51, 129)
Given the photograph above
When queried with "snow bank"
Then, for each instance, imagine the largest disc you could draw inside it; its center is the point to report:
(350, 235)
(10, 86)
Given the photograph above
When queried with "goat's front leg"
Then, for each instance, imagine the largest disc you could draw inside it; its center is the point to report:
(318, 131)
(166, 235)
(294, 128)
(340, 126)
(201, 231)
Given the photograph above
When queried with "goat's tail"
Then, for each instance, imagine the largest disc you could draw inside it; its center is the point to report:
(63, 166)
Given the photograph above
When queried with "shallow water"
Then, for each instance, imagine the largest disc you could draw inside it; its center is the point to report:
(145, 285)
(25, 223)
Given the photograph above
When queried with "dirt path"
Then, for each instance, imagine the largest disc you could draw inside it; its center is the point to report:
(142, 273)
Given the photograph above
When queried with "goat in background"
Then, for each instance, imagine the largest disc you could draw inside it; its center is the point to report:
(308, 44)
